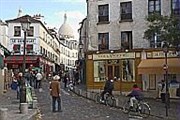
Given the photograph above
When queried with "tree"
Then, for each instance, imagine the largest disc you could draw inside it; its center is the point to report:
(167, 28)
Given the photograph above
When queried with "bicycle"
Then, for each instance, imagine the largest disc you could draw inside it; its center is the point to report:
(139, 106)
(109, 99)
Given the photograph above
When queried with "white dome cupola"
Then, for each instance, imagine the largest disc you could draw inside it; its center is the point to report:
(65, 31)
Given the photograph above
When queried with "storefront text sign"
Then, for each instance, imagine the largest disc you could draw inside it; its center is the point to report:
(160, 54)
(21, 40)
(113, 56)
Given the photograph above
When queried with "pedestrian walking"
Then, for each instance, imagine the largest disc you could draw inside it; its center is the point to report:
(55, 93)
(39, 78)
(66, 79)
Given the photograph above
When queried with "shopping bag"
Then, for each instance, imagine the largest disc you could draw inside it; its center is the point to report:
(14, 85)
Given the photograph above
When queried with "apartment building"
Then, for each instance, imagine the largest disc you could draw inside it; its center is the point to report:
(42, 45)
(116, 46)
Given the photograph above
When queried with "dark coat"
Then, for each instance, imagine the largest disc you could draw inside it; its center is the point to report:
(109, 85)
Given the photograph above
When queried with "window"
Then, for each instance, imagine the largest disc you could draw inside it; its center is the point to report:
(128, 72)
(16, 48)
(31, 32)
(155, 42)
(29, 48)
(126, 11)
(99, 71)
(41, 50)
(126, 40)
(176, 7)
(103, 13)
(154, 6)
(17, 31)
(103, 41)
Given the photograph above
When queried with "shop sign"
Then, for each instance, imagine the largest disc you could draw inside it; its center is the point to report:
(20, 40)
(113, 56)
(161, 54)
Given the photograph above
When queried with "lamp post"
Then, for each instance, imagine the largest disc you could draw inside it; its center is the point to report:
(165, 67)
(80, 59)
(25, 24)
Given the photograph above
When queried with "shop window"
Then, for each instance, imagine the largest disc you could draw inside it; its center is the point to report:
(172, 78)
(103, 13)
(103, 39)
(30, 32)
(126, 11)
(154, 6)
(99, 71)
(176, 7)
(29, 48)
(128, 71)
(17, 31)
(126, 40)
(16, 48)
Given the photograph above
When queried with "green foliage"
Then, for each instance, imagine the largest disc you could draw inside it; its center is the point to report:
(166, 27)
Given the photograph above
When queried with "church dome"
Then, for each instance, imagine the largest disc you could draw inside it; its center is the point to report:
(65, 31)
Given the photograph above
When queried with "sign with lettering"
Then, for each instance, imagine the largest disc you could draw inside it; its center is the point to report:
(21, 40)
(161, 54)
(108, 56)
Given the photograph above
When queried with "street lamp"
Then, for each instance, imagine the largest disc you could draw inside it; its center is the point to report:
(25, 24)
(80, 59)
(80, 49)
(165, 67)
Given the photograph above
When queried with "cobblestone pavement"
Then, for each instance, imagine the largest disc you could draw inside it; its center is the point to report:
(8, 100)
(157, 107)
(78, 108)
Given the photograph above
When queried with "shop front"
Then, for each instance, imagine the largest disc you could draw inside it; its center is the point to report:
(100, 66)
(15, 62)
(153, 72)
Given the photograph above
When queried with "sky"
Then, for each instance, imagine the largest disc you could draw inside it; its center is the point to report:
(52, 10)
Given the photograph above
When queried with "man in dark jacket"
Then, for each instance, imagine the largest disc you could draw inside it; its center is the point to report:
(108, 88)
(55, 93)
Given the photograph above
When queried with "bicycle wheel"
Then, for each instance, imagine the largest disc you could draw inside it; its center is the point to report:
(110, 101)
(126, 107)
(97, 98)
(144, 110)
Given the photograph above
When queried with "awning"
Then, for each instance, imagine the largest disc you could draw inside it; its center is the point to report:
(19, 59)
(5, 49)
(155, 66)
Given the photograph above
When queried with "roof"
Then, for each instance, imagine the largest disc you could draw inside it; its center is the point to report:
(31, 19)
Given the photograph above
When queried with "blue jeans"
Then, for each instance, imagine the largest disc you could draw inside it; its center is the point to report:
(56, 100)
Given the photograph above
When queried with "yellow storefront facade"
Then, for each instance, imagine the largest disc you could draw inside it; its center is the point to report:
(122, 65)
(143, 67)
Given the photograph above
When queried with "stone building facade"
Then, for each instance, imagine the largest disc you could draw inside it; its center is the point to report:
(116, 46)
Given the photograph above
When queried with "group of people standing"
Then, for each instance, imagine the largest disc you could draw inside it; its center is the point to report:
(30, 78)
(70, 76)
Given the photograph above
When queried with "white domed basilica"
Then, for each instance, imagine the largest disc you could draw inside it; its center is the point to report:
(68, 46)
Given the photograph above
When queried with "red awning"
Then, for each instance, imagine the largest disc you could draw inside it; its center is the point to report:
(19, 59)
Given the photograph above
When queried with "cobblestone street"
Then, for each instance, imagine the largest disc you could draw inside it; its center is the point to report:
(77, 108)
